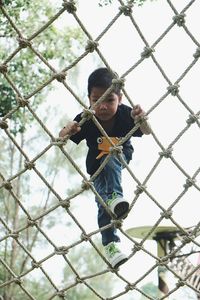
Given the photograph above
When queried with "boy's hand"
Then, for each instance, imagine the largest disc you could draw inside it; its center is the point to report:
(70, 129)
(138, 113)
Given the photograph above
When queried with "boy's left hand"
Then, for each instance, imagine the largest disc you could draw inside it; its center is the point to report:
(137, 113)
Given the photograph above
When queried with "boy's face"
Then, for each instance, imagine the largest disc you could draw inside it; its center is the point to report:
(106, 110)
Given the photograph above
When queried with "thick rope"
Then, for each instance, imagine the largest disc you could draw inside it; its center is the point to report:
(30, 164)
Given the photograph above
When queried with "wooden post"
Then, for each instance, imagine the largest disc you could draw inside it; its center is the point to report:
(163, 288)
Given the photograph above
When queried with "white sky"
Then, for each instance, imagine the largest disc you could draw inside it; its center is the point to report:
(122, 47)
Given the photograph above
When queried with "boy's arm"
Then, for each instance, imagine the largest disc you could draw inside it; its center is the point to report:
(70, 129)
(137, 113)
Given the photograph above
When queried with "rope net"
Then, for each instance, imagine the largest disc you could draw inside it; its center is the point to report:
(32, 239)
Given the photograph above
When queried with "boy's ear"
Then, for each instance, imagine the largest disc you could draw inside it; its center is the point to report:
(89, 99)
(120, 98)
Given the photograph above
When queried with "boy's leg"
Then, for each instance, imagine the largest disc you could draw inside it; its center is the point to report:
(112, 177)
(108, 235)
(107, 184)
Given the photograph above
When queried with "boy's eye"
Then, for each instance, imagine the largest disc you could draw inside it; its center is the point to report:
(107, 100)
(110, 100)
(94, 100)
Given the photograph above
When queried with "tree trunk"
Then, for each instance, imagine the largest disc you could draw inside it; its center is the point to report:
(15, 221)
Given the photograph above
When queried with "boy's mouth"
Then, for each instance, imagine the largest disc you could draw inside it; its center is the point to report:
(104, 116)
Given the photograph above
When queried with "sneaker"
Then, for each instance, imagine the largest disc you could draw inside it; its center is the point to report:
(114, 255)
(118, 206)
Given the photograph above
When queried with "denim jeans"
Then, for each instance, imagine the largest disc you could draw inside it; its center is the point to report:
(107, 182)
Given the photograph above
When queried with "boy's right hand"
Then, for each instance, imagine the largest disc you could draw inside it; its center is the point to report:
(70, 129)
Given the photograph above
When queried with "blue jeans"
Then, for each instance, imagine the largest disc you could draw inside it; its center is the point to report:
(107, 182)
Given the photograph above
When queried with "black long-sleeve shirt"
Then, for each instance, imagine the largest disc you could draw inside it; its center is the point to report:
(123, 123)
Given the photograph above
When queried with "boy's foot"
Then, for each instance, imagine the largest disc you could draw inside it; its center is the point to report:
(118, 206)
(114, 255)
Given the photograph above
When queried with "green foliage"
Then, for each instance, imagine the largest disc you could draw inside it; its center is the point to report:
(108, 2)
(6, 93)
(104, 2)
(15, 9)
(59, 47)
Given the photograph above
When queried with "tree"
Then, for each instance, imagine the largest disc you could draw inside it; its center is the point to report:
(51, 43)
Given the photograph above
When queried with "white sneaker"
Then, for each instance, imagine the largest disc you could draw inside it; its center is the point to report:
(118, 206)
(114, 255)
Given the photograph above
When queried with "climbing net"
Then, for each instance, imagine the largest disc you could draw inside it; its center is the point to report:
(34, 264)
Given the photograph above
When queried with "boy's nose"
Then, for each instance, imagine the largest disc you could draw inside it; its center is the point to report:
(102, 105)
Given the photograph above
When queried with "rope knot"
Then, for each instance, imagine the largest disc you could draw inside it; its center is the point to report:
(180, 283)
(196, 55)
(84, 237)
(60, 76)
(140, 119)
(22, 102)
(35, 264)
(118, 82)
(70, 6)
(61, 250)
(79, 280)
(140, 189)
(14, 235)
(126, 9)
(136, 248)
(61, 294)
(111, 270)
(166, 153)
(31, 223)
(23, 43)
(173, 89)
(115, 150)
(117, 223)
(65, 204)
(3, 124)
(129, 287)
(3, 69)
(18, 281)
(7, 185)
(186, 239)
(163, 261)
(86, 185)
(147, 52)
(29, 165)
(192, 119)
(91, 46)
(166, 214)
(179, 19)
(58, 142)
(87, 114)
(189, 182)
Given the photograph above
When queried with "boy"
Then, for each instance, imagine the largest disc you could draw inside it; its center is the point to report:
(117, 120)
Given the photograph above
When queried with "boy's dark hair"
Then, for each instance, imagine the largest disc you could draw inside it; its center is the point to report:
(101, 78)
